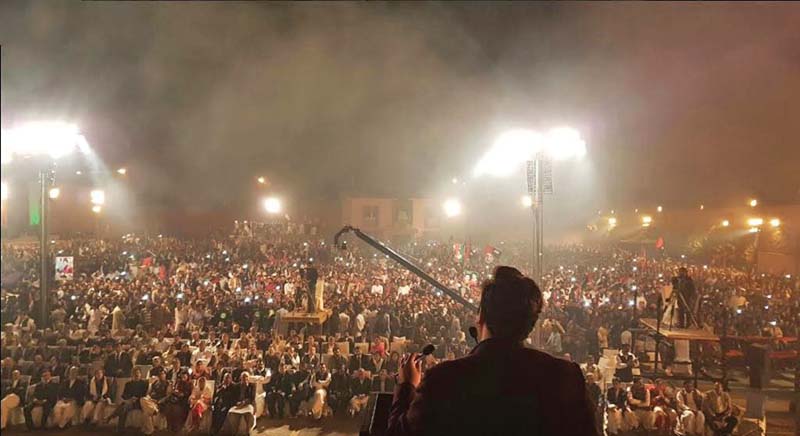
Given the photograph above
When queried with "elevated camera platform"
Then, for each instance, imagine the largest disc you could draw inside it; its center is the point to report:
(315, 318)
(679, 334)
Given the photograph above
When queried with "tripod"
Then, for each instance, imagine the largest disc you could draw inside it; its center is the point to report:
(684, 306)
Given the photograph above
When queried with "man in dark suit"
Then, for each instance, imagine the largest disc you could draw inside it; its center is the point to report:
(45, 395)
(13, 395)
(382, 382)
(277, 390)
(71, 396)
(224, 399)
(118, 363)
(683, 287)
(500, 387)
(134, 390)
(357, 361)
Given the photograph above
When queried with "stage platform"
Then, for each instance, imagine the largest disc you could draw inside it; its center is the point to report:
(676, 333)
(316, 318)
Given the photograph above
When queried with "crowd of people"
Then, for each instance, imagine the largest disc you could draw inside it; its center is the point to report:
(193, 334)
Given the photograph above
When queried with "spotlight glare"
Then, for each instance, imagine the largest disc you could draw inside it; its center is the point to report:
(97, 208)
(564, 143)
(508, 152)
(272, 205)
(726, 223)
(775, 222)
(612, 221)
(54, 193)
(98, 197)
(755, 222)
(452, 207)
(53, 138)
(753, 203)
(527, 201)
(122, 171)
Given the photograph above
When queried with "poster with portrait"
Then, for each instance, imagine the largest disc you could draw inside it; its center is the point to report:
(64, 267)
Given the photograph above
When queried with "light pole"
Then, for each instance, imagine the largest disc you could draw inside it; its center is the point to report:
(538, 151)
(51, 140)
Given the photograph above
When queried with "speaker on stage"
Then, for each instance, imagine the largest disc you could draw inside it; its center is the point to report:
(757, 358)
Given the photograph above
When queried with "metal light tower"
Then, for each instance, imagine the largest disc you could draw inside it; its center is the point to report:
(538, 151)
(50, 140)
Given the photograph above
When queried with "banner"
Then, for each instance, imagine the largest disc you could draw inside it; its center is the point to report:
(64, 267)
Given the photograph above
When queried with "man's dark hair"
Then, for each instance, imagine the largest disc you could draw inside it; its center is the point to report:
(510, 303)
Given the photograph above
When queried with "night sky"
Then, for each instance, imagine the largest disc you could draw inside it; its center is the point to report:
(679, 103)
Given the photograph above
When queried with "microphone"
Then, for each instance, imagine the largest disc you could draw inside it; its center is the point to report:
(429, 349)
(473, 332)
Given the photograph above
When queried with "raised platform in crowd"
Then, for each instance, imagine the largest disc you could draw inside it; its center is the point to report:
(677, 333)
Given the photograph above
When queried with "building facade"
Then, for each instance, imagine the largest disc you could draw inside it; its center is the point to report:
(391, 218)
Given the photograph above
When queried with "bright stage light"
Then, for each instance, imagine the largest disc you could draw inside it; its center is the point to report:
(509, 151)
(527, 201)
(97, 208)
(272, 205)
(725, 223)
(98, 197)
(455, 180)
(660, 209)
(53, 138)
(262, 180)
(5, 191)
(612, 221)
(647, 220)
(755, 222)
(753, 229)
(54, 193)
(564, 143)
(122, 171)
(514, 147)
(775, 222)
(702, 207)
(452, 207)
(753, 203)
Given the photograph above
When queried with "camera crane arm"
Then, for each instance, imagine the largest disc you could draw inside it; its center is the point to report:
(397, 257)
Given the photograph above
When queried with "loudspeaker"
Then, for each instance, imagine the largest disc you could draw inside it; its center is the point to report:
(756, 405)
(757, 359)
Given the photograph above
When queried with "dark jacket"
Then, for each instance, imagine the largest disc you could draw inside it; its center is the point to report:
(75, 392)
(46, 391)
(501, 388)
(225, 397)
(135, 389)
(244, 392)
(117, 365)
(357, 361)
(360, 387)
(19, 389)
(616, 397)
(388, 384)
